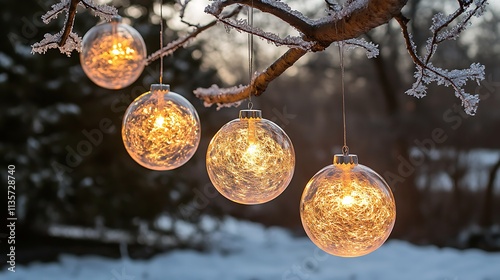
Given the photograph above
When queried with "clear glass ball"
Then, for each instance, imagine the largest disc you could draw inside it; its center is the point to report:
(113, 54)
(250, 160)
(161, 129)
(347, 210)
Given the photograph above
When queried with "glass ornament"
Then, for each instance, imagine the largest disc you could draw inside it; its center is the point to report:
(250, 160)
(347, 209)
(113, 54)
(161, 129)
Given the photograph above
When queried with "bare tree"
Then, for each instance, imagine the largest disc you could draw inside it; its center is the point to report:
(341, 24)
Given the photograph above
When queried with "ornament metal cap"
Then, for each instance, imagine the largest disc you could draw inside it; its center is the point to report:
(160, 88)
(116, 18)
(345, 159)
(250, 114)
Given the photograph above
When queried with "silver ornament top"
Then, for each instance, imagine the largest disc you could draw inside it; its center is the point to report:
(250, 114)
(116, 18)
(160, 88)
(345, 159)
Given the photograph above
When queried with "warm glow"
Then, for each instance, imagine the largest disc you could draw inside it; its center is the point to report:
(347, 210)
(161, 129)
(250, 160)
(113, 55)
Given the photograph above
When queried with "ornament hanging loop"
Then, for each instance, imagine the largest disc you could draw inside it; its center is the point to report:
(345, 150)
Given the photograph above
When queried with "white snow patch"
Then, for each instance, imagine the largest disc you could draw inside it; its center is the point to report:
(244, 250)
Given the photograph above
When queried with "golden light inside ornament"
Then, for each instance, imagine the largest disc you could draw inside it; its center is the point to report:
(161, 129)
(347, 209)
(250, 160)
(113, 54)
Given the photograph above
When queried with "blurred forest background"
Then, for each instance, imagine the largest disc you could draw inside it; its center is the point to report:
(443, 165)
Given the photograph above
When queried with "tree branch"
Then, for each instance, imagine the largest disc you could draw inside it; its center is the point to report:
(276, 8)
(257, 86)
(173, 46)
(70, 20)
(427, 73)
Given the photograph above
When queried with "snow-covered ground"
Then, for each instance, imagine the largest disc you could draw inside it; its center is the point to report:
(248, 251)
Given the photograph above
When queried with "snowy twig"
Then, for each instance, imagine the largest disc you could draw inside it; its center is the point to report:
(427, 73)
(104, 12)
(289, 41)
(52, 41)
(173, 46)
(182, 12)
(370, 48)
(70, 20)
(66, 40)
(276, 8)
(257, 86)
(55, 11)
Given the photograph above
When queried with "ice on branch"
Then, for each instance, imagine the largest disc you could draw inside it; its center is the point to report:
(218, 5)
(241, 25)
(346, 10)
(371, 50)
(104, 12)
(51, 41)
(284, 7)
(207, 94)
(56, 9)
(446, 27)
(66, 40)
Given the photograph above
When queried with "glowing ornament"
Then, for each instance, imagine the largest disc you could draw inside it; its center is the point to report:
(161, 129)
(250, 160)
(347, 209)
(113, 54)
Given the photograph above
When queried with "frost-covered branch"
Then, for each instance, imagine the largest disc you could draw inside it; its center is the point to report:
(349, 22)
(371, 50)
(276, 8)
(289, 41)
(427, 73)
(181, 42)
(342, 24)
(66, 40)
(258, 85)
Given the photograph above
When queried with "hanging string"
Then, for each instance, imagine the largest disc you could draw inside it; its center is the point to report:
(345, 148)
(250, 54)
(161, 42)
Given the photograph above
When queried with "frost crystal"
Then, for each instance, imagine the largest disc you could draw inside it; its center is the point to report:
(56, 9)
(442, 30)
(51, 41)
(347, 10)
(104, 12)
(370, 48)
(289, 41)
(73, 42)
(214, 90)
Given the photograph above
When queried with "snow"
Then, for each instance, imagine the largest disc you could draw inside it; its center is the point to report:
(245, 251)
(477, 164)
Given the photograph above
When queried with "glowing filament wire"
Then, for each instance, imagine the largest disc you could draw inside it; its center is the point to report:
(161, 129)
(347, 209)
(113, 54)
(250, 160)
